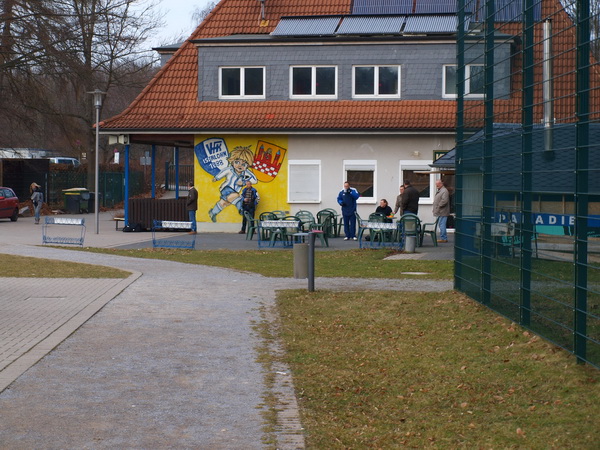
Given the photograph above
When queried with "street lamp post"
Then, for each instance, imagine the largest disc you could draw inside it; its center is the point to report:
(98, 96)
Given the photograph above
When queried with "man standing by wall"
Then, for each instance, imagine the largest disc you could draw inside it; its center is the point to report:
(410, 199)
(250, 199)
(347, 200)
(441, 208)
(192, 205)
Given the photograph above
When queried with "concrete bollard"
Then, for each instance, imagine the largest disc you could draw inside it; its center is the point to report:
(300, 261)
(410, 244)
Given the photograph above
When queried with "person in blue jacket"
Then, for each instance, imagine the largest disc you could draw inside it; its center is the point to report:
(347, 200)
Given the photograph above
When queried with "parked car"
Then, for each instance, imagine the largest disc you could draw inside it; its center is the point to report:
(65, 160)
(9, 204)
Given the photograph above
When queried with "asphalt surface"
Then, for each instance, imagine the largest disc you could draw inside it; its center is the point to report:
(166, 358)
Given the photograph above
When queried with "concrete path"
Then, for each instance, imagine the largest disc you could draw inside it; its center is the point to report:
(163, 359)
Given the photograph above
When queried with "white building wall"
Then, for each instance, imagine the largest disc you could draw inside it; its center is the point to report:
(386, 150)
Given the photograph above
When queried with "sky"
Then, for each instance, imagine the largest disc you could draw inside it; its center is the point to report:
(177, 18)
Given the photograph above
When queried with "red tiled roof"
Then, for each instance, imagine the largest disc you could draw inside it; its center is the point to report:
(170, 101)
(173, 92)
(297, 115)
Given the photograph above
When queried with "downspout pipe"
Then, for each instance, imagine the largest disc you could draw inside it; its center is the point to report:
(548, 90)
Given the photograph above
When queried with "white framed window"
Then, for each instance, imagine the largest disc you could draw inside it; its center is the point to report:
(474, 83)
(474, 86)
(376, 81)
(449, 81)
(362, 176)
(416, 171)
(304, 181)
(241, 82)
(313, 82)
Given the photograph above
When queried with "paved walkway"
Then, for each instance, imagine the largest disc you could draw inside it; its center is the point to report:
(163, 359)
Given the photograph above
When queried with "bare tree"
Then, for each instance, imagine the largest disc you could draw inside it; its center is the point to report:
(200, 13)
(52, 52)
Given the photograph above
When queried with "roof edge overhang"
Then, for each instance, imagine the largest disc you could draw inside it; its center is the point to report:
(278, 130)
(320, 39)
(186, 139)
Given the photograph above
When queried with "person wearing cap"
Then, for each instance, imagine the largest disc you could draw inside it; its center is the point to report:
(37, 197)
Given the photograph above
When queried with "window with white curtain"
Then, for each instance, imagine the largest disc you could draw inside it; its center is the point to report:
(304, 181)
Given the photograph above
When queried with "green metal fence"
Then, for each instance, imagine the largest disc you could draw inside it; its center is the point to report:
(111, 186)
(528, 166)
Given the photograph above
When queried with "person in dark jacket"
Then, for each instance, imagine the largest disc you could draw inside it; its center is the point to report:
(250, 199)
(385, 210)
(410, 199)
(192, 205)
(347, 200)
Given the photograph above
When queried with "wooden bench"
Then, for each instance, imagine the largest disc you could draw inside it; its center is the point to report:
(117, 220)
(69, 234)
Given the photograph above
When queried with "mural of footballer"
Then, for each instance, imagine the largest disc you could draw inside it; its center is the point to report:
(236, 174)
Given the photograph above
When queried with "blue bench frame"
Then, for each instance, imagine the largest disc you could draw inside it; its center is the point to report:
(160, 225)
(47, 238)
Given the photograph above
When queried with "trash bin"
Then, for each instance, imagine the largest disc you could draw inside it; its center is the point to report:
(73, 199)
(72, 203)
(91, 202)
(300, 260)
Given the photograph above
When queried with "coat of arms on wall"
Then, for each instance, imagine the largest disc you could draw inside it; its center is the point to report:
(268, 159)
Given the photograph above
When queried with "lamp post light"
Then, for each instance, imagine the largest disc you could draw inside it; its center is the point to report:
(98, 97)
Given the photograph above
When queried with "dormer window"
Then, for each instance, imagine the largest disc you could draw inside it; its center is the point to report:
(313, 82)
(376, 81)
(474, 83)
(241, 82)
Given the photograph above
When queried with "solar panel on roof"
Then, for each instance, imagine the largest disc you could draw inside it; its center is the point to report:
(371, 25)
(435, 6)
(382, 7)
(505, 10)
(431, 24)
(306, 26)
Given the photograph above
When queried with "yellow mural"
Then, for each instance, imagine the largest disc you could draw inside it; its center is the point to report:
(223, 165)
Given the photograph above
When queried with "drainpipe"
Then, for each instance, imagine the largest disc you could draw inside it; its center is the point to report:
(548, 90)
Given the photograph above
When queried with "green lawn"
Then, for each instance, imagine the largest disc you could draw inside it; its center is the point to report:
(390, 370)
(27, 267)
(349, 263)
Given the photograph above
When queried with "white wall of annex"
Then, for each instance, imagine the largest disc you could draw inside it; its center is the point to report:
(386, 150)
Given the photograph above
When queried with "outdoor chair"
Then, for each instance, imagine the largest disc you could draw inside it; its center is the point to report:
(337, 222)
(325, 222)
(306, 219)
(378, 233)
(360, 227)
(266, 216)
(410, 226)
(432, 231)
(251, 226)
(279, 214)
(282, 233)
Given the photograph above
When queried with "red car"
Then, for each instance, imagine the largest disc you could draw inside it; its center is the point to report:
(9, 204)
